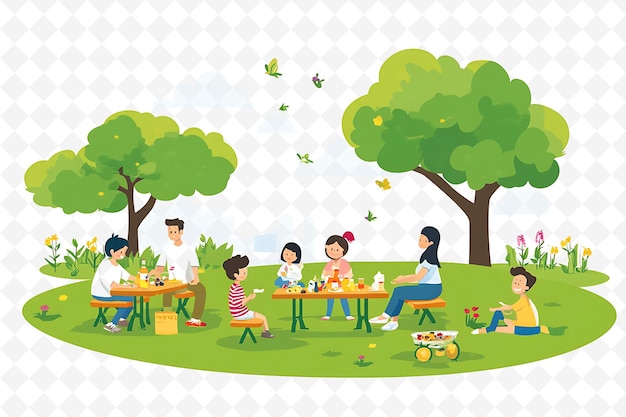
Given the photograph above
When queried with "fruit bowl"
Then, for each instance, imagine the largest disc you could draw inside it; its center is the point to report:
(434, 339)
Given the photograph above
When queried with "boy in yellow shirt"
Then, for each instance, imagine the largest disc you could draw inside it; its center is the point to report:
(526, 322)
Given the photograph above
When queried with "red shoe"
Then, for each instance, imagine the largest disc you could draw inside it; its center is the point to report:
(195, 323)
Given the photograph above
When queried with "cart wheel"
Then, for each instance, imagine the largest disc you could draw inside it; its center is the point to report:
(440, 352)
(453, 351)
(423, 354)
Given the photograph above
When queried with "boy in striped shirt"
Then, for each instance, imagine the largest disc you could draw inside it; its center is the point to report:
(237, 269)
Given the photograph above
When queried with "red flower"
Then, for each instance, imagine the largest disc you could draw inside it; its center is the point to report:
(467, 311)
(44, 307)
(474, 308)
(476, 315)
(361, 357)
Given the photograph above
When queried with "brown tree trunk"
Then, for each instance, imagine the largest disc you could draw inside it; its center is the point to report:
(477, 213)
(134, 217)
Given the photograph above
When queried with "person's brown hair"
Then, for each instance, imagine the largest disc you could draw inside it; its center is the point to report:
(175, 222)
(234, 264)
(530, 278)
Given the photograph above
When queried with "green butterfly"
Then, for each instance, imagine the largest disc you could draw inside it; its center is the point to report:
(271, 69)
(283, 107)
(304, 158)
(370, 216)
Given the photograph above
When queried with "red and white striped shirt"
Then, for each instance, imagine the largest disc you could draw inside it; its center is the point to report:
(235, 300)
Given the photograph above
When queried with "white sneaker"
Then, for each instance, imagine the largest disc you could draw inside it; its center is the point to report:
(392, 325)
(349, 318)
(376, 320)
(110, 327)
(476, 331)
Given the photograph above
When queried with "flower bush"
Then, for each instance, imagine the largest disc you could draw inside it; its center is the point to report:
(577, 261)
(52, 242)
(470, 318)
(361, 361)
(93, 257)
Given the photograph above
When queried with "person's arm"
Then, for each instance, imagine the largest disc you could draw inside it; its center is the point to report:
(157, 271)
(282, 271)
(248, 298)
(411, 278)
(195, 279)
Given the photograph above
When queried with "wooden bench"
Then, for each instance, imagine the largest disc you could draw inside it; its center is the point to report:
(426, 305)
(247, 324)
(183, 298)
(103, 306)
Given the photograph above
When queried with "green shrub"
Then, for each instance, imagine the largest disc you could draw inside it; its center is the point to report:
(212, 256)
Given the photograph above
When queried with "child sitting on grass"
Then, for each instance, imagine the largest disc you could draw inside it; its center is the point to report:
(527, 320)
(237, 269)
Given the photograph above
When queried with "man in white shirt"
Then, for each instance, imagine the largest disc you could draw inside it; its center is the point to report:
(183, 265)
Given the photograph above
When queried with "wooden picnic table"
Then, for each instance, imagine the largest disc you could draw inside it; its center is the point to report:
(138, 295)
(360, 295)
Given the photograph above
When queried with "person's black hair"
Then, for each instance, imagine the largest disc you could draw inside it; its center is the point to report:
(114, 242)
(175, 222)
(530, 278)
(337, 239)
(294, 248)
(234, 264)
(430, 254)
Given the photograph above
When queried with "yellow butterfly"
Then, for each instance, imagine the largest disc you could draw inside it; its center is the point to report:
(384, 184)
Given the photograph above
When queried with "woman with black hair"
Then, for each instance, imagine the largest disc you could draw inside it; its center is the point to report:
(290, 272)
(426, 274)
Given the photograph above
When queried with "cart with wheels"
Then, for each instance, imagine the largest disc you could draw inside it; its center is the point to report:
(441, 341)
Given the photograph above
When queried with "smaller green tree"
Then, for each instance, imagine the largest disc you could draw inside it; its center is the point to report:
(131, 153)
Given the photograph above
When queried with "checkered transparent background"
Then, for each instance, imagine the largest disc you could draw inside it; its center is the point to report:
(67, 65)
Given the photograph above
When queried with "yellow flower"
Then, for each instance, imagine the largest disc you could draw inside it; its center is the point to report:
(47, 241)
(100, 193)
(554, 250)
(442, 120)
(587, 252)
(116, 137)
(54, 237)
(372, 345)
(563, 243)
(377, 120)
(200, 270)
(62, 297)
(568, 239)
(92, 248)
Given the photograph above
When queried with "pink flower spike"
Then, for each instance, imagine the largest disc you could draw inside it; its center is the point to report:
(361, 357)
(44, 307)
(520, 241)
(539, 237)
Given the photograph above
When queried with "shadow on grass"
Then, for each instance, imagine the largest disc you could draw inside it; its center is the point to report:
(212, 321)
(331, 353)
(557, 331)
(441, 321)
(436, 362)
(46, 317)
(281, 341)
(552, 304)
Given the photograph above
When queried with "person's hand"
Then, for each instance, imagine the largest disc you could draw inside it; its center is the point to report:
(194, 281)
(494, 309)
(397, 279)
(252, 296)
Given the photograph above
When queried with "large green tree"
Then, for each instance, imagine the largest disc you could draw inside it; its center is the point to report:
(454, 125)
(131, 153)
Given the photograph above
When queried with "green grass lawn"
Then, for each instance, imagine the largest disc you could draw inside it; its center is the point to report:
(329, 349)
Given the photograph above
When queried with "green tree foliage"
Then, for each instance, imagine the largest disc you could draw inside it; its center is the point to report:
(457, 125)
(130, 153)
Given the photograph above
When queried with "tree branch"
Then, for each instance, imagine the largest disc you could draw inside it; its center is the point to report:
(143, 212)
(463, 203)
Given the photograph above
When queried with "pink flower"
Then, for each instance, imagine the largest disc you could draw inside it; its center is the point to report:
(361, 357)
(520, 241)
(474, 308)
(348, 236)
(539, 237)
(467, 311)
(44, 307)
(476, 315)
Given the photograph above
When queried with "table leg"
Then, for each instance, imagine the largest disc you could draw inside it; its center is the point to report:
(359, 316)
(293, 315)
(300, 317)
(362, 318)
(137, 313)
